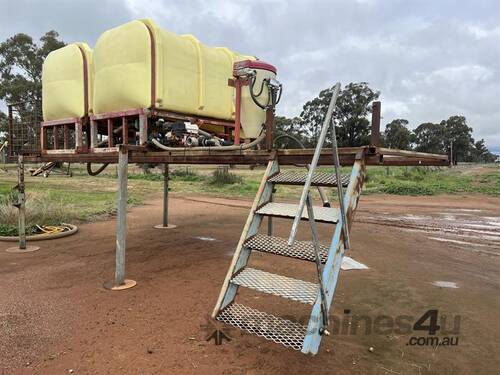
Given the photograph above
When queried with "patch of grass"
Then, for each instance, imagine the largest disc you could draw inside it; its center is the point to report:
(406, 188)
(55, 200)
(38, 211)
(178, 174)
(222, 176)
(430, 181)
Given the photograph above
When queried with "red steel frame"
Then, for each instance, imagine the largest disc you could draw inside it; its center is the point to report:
(66, 124)
(142, 113)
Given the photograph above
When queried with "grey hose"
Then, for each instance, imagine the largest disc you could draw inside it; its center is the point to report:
(244, 146)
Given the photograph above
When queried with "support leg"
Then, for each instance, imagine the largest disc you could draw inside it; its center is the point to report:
(165, 224)
(120, 282)
(21, 205)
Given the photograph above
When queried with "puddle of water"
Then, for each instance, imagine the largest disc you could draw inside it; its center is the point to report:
(457, 241)
(445, 284)
(205, 238)
(416, 217)
(350, 264)
(465, 209)
(450, 240)
(481, 226)
(492, 218)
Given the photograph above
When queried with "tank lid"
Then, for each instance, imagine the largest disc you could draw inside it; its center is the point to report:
(254, 64)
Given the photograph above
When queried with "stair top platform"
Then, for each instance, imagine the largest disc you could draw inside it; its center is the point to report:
(299, 178)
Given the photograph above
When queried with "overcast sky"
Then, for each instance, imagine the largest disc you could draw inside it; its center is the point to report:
(430, 59)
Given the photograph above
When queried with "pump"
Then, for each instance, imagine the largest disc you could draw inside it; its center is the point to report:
(257, 91)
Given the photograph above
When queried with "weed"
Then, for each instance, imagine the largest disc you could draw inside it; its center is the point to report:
(222, 176)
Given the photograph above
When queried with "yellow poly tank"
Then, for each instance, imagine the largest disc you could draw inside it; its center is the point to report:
(67, 78)
(139, 65)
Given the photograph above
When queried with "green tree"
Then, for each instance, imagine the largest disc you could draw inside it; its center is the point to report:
(430, 138)
(351, 112)
(21, 61)
(397, 135)
(458, 135)
(3, 127)
(481, 153)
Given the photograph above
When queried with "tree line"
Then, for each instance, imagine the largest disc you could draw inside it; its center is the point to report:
(21, 61)
(354, 105)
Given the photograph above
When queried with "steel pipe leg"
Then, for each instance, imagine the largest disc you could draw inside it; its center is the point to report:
(166, 179)
(120, 282)
(21, 205)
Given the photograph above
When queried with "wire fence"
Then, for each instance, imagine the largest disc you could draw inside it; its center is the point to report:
(24, 128)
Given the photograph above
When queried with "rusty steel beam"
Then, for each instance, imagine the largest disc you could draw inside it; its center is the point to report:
(110, 132)
(269, 129)
(66, 136)
(65, 121)
(347, 155)
(124, 130)
(411, 154)
(55, 137)
(375, 128)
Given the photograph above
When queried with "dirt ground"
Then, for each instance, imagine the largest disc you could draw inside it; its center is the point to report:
(56, 318)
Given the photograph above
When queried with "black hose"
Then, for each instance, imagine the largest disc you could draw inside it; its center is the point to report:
(279, 95)
(284, 135)
(254, 96)
(98, 171)
(254, 79)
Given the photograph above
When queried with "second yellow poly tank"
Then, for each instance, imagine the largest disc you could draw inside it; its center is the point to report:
(67, 78)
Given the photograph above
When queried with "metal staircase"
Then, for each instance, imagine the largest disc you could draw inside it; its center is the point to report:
(328, 259)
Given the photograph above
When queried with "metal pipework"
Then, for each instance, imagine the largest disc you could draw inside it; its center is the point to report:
(245, 146)
(121, 220)
(21, 202)
(165, 194)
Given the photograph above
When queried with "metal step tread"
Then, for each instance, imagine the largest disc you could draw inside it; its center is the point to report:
(277, 245)
(270, 327)
(278, 285)
(289, 210)
(299, 178)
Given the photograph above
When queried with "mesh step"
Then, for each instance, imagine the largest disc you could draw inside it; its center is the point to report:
(276, 245)
(270, 327)
(289, 210)
(282, 286)
(299, 178)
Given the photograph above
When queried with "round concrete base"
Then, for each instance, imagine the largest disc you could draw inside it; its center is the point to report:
(160, 226)
(28, 249)
(127, 284)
